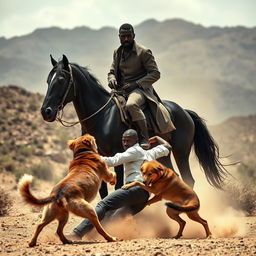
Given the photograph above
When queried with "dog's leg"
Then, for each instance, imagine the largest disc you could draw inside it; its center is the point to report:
(175, 216)
(154, 199)
(48, 217)
(63, 218)
(195, 216)
(137, 183)
(83, 209)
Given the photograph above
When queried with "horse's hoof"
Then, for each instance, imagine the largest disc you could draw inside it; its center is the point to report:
(67, 242)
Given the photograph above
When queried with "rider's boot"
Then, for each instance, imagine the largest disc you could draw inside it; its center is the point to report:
(141, 126)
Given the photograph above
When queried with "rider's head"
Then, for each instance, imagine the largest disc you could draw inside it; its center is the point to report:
(126, 35)
(130, 137)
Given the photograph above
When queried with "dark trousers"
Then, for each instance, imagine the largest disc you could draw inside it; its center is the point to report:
(133, 200)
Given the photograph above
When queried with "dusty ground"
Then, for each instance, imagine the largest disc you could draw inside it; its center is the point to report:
(233, 233)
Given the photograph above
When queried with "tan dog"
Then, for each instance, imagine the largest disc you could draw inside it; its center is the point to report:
(165, 184)
(74, 192)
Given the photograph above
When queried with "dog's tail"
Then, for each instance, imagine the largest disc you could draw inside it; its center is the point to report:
(25, 192)
(182, 208)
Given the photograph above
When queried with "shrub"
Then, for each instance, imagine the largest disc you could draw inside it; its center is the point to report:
(42, 171)
(26, 150)
(5, 203)
(63, 137)
(242, 191)
(8, 163)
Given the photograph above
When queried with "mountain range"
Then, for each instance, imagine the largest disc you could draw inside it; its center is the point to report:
(207, 69)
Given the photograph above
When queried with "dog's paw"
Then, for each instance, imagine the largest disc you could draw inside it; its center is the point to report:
(112, 239)
(177, 236)
(31, 244)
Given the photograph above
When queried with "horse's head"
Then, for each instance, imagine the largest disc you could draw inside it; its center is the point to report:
(60, 80)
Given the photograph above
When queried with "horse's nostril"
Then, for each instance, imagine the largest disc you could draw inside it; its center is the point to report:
(48, 111)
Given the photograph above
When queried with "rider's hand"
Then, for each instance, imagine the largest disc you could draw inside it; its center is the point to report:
(112, 83)
(130, 87)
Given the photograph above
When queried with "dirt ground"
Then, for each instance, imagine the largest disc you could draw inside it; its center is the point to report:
(147, 234)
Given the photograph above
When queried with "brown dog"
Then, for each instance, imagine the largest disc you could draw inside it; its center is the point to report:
(75, 191)
(165, 184)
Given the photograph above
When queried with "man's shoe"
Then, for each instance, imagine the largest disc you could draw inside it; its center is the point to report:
(73, 236)
(143, 133)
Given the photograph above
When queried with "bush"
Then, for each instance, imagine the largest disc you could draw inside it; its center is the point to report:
(242, 196)
(42, 171)
(5, 203)
(242, 190)
(247, 172)
(8, 163)
(63, 137)
(26, 150)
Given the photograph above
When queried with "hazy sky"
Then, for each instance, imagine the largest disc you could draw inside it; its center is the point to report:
(19, 17)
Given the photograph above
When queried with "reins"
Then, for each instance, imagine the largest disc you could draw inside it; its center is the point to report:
(61, 107)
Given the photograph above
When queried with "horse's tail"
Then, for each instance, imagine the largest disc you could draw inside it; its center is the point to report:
(207, 152)
(31, 199)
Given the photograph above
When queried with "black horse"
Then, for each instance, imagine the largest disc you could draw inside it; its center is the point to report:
(99, 116)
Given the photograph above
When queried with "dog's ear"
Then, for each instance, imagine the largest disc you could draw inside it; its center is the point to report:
(87, 142)
(71, 144)
(160, 168)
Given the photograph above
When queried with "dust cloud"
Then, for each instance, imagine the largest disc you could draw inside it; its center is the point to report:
(223, 220)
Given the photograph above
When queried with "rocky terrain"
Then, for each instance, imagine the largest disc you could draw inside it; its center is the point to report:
(30, 145)
(27, 143)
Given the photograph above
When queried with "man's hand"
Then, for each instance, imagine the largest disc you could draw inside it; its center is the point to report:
(159, 140)
(112, 84)
(130, 87)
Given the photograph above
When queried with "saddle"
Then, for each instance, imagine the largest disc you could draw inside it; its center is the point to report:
(120, 101)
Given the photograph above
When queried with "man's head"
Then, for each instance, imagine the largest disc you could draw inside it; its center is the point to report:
(126, 35)
(130, 137)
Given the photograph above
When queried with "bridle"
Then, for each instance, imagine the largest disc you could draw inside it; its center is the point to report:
(61, 106)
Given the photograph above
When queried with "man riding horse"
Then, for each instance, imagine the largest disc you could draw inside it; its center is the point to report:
(133, 72)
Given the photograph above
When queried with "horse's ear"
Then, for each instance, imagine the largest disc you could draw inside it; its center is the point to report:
(65, 61)
(54, 62)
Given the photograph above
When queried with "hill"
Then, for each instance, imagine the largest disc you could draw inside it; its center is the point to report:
(210, 70)
(27, 143)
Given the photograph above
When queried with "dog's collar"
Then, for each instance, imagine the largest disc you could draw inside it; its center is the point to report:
(82, 151)
(164, 173)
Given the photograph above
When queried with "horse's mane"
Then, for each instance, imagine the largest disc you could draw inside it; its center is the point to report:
(85, 72)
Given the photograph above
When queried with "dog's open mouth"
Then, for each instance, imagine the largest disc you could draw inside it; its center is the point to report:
(149, 183)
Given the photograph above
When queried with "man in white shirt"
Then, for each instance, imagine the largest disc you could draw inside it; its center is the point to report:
(133, 199)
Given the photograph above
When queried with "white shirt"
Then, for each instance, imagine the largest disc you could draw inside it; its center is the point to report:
(132, 159)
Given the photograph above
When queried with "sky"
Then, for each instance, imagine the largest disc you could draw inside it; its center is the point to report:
(23, 17)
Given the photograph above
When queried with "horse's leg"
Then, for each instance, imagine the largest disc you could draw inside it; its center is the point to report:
(181, 146)
(119, 176)
(182, 140)
(184, 168)
(119, 181)
(103, 190)
(166, 161)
